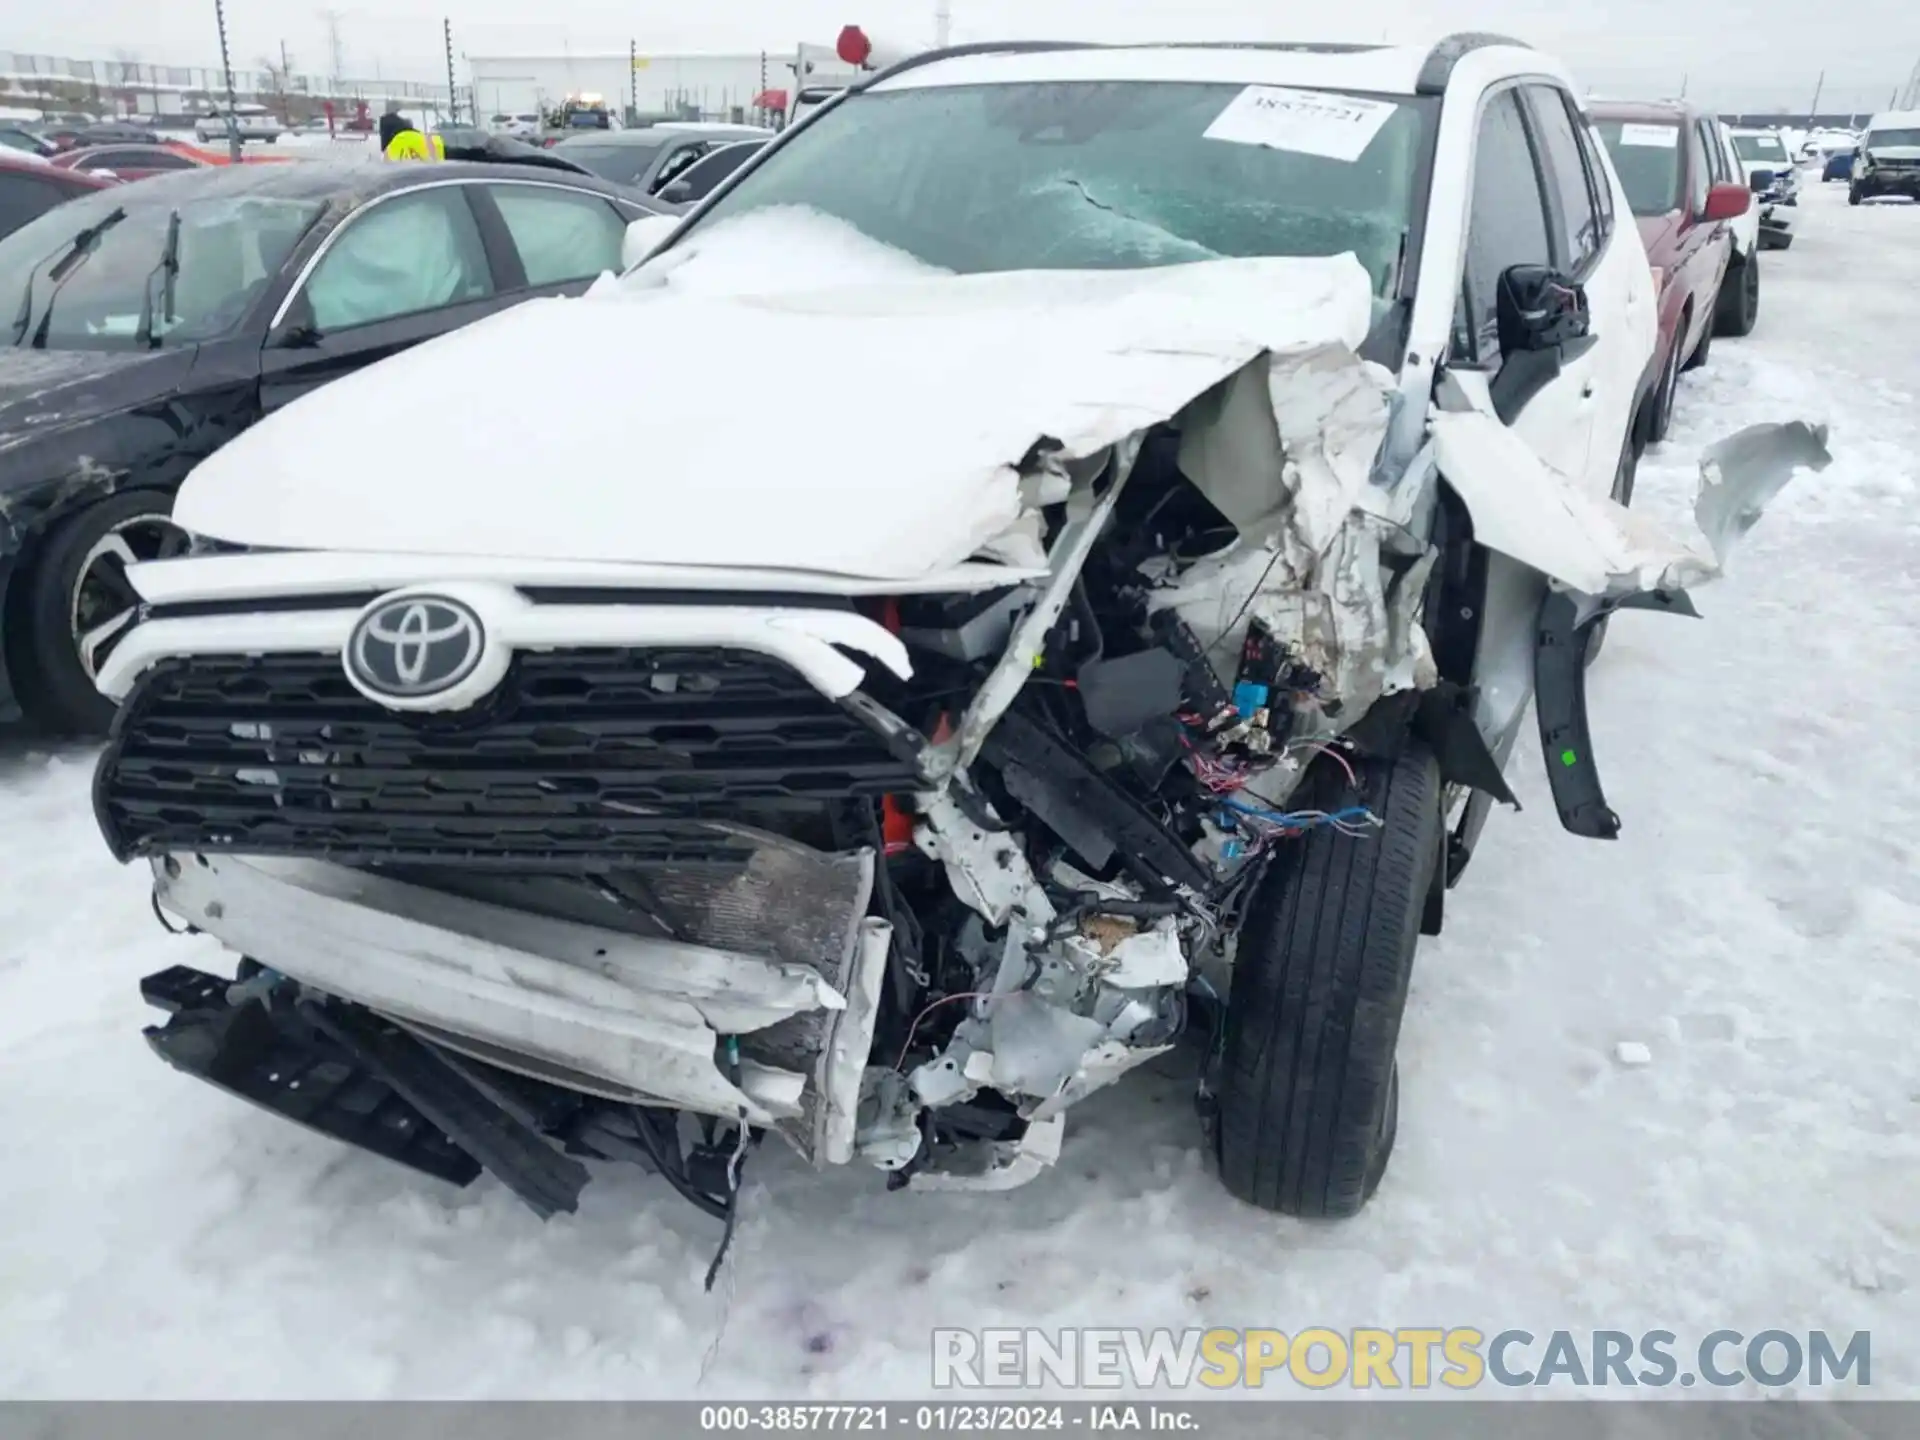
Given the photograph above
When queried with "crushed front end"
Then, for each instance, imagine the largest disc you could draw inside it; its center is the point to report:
(895, 879)
(537, 860)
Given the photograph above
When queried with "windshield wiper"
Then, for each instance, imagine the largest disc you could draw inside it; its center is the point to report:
(169, 269)
(64, 261)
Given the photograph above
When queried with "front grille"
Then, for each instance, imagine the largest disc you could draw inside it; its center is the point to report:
(582, 759)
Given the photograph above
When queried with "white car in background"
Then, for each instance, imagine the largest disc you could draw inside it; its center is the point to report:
(254, 122)
(1821, 143)
(1771, 172)
(1888, 162)
(522, 127)
(1737, 305)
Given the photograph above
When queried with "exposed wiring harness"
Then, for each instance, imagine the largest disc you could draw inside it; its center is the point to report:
(1355, 820)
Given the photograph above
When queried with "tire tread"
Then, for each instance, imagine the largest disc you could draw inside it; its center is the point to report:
(1318, 991)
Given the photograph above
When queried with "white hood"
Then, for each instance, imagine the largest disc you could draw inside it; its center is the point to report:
(867, 431)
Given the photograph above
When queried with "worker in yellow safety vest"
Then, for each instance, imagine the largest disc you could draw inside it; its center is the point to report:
(408, 143)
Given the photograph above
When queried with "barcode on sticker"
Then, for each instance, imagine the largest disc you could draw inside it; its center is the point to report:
(1308, 122)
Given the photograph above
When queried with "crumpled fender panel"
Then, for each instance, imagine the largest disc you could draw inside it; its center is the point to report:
(1600, 557)
(1590, 544)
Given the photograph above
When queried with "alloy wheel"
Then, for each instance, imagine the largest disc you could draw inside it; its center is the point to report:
(105, 603)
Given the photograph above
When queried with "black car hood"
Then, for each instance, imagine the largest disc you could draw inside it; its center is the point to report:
(42, 390)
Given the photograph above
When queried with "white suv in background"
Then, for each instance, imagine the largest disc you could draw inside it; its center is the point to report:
(1888, 161)
(255, 122)
(1226, 437)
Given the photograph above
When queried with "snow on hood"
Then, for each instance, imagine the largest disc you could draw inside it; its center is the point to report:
(883, 441)
(784, 247)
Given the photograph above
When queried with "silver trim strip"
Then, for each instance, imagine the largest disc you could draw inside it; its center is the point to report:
(805, 639)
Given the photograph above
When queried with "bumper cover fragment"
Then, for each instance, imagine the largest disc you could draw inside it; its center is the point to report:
(274, 1059)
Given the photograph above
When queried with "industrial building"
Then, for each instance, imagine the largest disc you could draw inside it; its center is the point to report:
(32, 86)
(706, 87)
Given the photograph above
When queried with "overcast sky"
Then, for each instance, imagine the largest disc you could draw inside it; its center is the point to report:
(1728, 53)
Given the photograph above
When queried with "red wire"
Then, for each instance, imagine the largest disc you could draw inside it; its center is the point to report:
(914, 1029)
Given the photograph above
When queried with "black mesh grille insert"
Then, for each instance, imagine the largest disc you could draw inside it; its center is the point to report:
(582, 759)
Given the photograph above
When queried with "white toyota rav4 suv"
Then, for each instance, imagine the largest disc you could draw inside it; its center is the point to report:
(1224, 443)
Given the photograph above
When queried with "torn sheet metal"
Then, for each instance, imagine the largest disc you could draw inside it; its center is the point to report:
(987, 869)
(1522, 508)
(1742, 473)
(1004, 1165)
(925, 472)
(1350, 612)
(1086, 521)
(1290, 449)
(888, 1135)
(1146, 960)
(1100, 1067)
(843, 1061)
(1326, 559)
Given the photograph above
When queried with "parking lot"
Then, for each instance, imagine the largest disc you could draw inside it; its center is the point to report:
(1753, 928)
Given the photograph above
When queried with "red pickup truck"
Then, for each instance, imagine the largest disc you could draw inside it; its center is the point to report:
(1680, 184)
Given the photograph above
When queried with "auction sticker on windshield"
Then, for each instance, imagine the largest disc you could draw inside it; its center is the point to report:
(1311, 122)
(1666, 137)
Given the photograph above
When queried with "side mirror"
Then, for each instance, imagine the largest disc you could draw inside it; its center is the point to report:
(1726, 201)
(678, 193)
(1539, 309)
(644, 236)
(1760, 181)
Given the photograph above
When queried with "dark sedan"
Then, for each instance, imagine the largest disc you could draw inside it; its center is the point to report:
(99, 132)
(700, 179)
(129, 162)
(151, 323)
(23, 139)
(648, 160)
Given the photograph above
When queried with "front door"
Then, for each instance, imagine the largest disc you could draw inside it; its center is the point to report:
(406, 268)
(1511, 224)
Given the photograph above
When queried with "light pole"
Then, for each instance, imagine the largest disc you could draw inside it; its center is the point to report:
(226, 70)
(453, 95)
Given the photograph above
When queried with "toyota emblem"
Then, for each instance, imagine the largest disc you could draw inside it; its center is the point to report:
(414, 646)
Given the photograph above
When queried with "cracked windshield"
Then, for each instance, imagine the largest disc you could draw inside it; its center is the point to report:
(1088, 175)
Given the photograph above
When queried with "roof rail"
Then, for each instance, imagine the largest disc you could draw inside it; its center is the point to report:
(978, 47)
(1440, 61)
(1305, 47)
(1042, 47)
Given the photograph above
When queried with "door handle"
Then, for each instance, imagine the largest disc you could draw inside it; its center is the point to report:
(1586, 391)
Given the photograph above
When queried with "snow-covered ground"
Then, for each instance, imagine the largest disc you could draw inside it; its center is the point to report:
(1754, 928)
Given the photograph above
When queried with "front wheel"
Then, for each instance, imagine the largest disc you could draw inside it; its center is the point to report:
(79, 604)
(1853, 194)
(1738, 308)
(1666, 390)
(1309, 1092)
(1703, 350)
